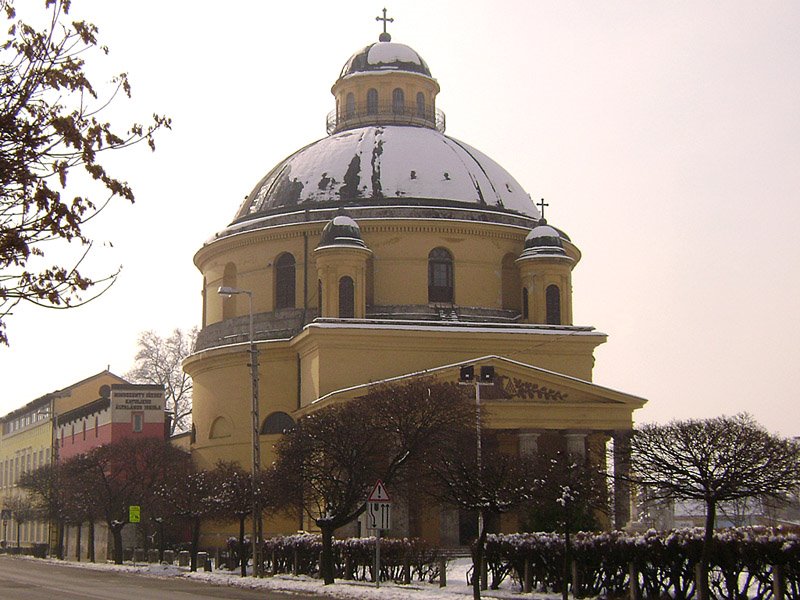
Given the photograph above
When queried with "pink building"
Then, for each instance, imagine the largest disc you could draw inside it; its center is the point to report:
(123, 410)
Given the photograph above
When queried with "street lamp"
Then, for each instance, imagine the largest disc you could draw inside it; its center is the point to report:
(467, 377)
(256, 467)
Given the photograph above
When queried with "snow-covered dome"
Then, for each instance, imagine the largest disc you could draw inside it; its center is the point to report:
(341, 231)
(385, 56)
(387, 165)
(544, 240)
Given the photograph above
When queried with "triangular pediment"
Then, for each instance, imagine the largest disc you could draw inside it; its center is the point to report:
(514, 382)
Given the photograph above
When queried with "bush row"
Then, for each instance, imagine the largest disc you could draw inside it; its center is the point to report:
(354, 558)
(743, 561)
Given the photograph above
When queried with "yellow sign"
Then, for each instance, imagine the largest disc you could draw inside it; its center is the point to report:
(134, 514)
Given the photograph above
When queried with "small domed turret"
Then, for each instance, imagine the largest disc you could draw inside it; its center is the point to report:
(543, 240)
(341, 231)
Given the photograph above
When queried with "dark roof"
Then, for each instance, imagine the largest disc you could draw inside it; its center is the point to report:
(81, 412)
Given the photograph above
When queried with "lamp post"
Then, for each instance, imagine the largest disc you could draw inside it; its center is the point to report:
(256, 466)
(467, 377)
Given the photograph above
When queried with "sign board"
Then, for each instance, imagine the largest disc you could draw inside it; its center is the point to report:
(379, 493)
(379, 515)
(134, 514)
(379, 508)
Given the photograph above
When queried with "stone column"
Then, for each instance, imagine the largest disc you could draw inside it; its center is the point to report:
(528, 442)
(622, 469)
(448, 526)
(576, 443)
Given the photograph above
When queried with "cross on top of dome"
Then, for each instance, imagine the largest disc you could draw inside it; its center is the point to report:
(385, 36)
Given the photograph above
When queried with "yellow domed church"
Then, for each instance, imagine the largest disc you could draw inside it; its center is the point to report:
(382, 251)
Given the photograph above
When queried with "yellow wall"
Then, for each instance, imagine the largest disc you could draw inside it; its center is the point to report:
(399, 260)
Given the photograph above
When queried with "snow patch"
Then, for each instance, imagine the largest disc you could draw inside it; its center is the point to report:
(390, 52)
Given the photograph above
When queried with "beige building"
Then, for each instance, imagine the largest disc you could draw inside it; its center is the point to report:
(27, 442)
(384, 250)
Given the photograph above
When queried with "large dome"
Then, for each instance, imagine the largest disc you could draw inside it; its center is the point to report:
(387, 165)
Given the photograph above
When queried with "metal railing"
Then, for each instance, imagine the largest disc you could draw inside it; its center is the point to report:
(385, 114)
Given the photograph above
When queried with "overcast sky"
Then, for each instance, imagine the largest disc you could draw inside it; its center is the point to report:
(664, 135)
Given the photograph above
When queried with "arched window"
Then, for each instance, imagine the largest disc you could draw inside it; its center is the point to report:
(319, 295)
(420, 105)
(398, 101)
(347, 305)
(440, 276)
(284, 281)
(525, 303)
(350, 106)
(220, 428)
(229, 280)
(509, 283)
(277, 422)
(372, 101)
(193, 435)
(553, 302)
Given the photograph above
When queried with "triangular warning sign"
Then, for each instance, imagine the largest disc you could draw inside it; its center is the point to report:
(379, 493)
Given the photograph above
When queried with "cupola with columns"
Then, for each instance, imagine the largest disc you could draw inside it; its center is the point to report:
(385, 83)
(545, 270)
(341, 258)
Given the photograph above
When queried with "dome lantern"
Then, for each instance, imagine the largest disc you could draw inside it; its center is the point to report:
(385, 83)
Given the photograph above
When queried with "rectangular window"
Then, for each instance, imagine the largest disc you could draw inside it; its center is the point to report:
(138, 421)
(96, 433)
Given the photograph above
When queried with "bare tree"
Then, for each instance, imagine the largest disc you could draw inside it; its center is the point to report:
(724, 459)
(50, 126)
(22, 511)
(332, 458)
(192, 498)
(125, 473)
(49, 497)
(159, 361)
(496, 485)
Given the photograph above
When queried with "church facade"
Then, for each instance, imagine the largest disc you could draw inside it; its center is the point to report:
(383, 251)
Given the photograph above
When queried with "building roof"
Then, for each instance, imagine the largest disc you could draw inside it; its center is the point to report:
(384, 165)
(385, 56)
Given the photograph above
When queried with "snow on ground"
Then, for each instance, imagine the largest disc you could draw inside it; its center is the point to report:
(457, 588)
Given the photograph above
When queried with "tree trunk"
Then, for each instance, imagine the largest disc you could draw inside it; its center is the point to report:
(60, 539)
(326, 568)
(242, 553)
(477, 558)
(78, 535)
(19, 526)
(195, 543)
(116, 533)
(565, 573)
(708, 542)
(91, 540)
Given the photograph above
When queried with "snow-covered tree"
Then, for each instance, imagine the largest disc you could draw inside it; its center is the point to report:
(159, 361)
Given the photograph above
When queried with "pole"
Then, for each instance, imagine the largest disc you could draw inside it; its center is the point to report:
(377, 558)
(256, 467)
(479, 456)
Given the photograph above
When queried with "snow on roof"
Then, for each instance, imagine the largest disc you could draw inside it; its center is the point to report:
(389, 52)
(344, 220)
(375, 165)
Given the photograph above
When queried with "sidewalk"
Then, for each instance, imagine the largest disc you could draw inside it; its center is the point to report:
(457, 587)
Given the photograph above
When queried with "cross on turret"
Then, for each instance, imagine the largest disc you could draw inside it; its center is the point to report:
(385, 21)
(541, 206)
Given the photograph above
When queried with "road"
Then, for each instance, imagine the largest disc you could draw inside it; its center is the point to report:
(22, 579)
